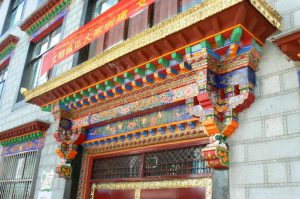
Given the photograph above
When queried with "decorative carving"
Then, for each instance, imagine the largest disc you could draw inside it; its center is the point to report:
(67, 139)
(164, 184)
(143, 140)
(175, 24)
(225, 89)
(64, 170)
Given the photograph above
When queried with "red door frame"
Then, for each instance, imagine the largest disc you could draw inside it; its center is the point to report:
(173, 145)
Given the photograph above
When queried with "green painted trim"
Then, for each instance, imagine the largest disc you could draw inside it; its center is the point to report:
(188, 50)
(128, 76)
(21, 139)
(139, 71)
(206, 44)
(220, 40)
(109, 84)
(48, 17)
(70, 98)
(236, 35)
(176, 56)
(151, 67)
(120, 80)
(164, 62)
(77, 96)
(92, 90)
(85, 93)
(7, 50)
(100, 87)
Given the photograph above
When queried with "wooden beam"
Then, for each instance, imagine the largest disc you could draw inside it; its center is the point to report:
(182, 37)
(196, 30)
(215, 24)
(154, 50)
(169, 44)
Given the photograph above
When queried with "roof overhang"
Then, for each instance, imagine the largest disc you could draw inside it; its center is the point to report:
(6, 47)
(24, 129)
(204, 20)
(289, 44)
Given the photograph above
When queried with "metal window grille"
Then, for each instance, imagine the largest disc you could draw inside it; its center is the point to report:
(118, 167)
(16, 175)
(183, 161)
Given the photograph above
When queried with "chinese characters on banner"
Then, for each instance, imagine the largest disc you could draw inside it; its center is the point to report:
(92, 30)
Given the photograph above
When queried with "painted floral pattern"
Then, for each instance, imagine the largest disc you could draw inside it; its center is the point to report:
(152, 119)
(144, 104)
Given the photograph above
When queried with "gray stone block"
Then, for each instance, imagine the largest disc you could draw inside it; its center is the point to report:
(237, 153)
(274, 127)
(293, 123)
(250, 130)
(295, 171)
(270, 85)
(280, 103)
(292, 192)
(246, 174)
(290, 79)
(237, 193)
(274, 149)
(277, 172)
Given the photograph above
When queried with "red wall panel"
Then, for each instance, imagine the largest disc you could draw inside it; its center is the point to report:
(114, 194)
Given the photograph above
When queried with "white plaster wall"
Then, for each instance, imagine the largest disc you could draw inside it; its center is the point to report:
(11, 115)
(265, 150)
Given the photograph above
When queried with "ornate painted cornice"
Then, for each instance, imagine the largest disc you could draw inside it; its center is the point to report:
(191, 130)
(21, 139)
(268, 12)
(43, 15)
(29, 128)
(7, 46)
(290, 45)
(162, 30)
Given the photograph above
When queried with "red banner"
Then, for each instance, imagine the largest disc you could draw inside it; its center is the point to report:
(92, 30)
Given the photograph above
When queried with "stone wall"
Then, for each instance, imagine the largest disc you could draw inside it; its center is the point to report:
(265, 150)
(13, 114)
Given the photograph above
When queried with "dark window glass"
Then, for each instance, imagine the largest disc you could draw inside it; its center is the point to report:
(164, 9)
(154, 14)
(186, 4)
(14, 13)
(94, 9)
(40, 2)
(3, 75)
(100, 6)
(33, 77)
(139, 22)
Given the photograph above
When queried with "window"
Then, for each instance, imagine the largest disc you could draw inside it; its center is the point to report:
(154, 14)
(94, 9)
(186, 4)
(40, 2)
(184, 161)
(100, 6)
(14, 13)
(16, 175)
(33, 77)
(3, 74)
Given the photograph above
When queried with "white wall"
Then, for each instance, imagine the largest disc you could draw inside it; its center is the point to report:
(265, 150)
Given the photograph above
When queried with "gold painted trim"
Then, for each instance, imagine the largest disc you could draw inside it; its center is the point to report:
(168, 27)
(164, 184)
(268, 12)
